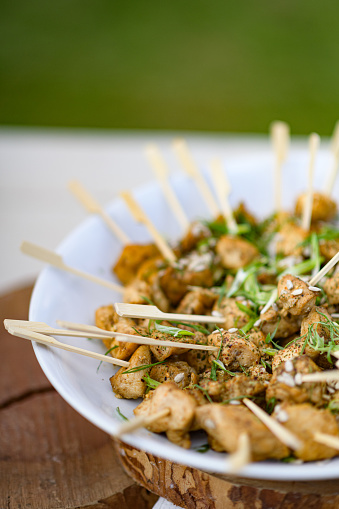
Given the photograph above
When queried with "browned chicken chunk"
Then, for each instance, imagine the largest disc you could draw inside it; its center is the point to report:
(295, 296)
(323, 207)
(178, 372)
(198, 359)
(225, 424)
(163, 352)
(286, 385)
(196, 232)
(197, 302)
(241, 386)
(131, 258)
(182, 411)
(331, 288)
(312, 321)
(236, 352)
(135, 292)
(304, 420)
(289, 238)
(329, 248)
(234, 317)
(284, 326)
(106, 317)
(131, 385)
(235, 252)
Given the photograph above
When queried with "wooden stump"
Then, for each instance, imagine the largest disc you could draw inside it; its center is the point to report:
(50, 456)
(193, 489)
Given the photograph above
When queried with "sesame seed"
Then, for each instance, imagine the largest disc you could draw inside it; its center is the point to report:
(314, 289)
(257, 323)
(330, 390)
(289, 284)
(209, 424)
(282, 416)
(297, 292)
(233, 329)
(275, 307)
(288, 366)
(283, 292)
(179, 377)
(217, 313)
(235, 402)
(298, 379)
(326, 396)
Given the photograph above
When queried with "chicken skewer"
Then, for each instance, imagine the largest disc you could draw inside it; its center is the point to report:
(181, 149)
(161, 172)
(314, 141)
(52, 258)
(280, 141)
(143, 311)
(43, 328)
(222, 189)
(94, 208)
(140, 216)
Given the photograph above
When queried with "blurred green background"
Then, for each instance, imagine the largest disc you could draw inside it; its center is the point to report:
(180, 64)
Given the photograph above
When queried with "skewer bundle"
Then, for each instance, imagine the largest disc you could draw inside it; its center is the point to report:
(201, 334)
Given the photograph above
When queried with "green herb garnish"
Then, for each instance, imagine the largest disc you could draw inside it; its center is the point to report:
(121, 414)
(106, 353)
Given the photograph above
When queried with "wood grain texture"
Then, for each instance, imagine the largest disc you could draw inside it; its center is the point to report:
(191, 488)
(50, 456)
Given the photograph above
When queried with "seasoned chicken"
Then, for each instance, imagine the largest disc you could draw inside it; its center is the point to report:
(198, 359)
(293, 350)
(197, 302)
(131, 258)
(224, 425)
(329, 248)
(242, 214)
(135, 292)
(286, 386)
(258, 338)
(163, 352)
(178, 372)
(241, 386)
(174, 282)
(197, 232)
(304, 420)
(258, 372)
(236, 352)
(323, 207)
(295, 296)
(331, 288)
(311, 321)
(182, 411)
(106, 317)
(158, 296)
(288, 240)
(214, 388)
(284, 326)
(131, 385)
(235, 252)
(234, 317)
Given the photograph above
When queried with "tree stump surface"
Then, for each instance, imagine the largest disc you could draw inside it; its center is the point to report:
(50, 456)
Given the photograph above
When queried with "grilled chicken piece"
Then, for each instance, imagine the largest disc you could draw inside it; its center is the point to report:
(295, 296)
(242, 385)
(174, 282)
(198, 359)
(331, 288)
(225, 424)
(323, 207)
(106, 317)
(182, 411)
(304, 420)
(258, 338)
(285, 386)
(329, 248)
(197, 302)
(288, 239)
(285, 326)
(241, 213)
(158, 296)
(292, 351)
(178, 372)
(258, 372)
(163, 352)
(236, 351)
(214, 388)
(312, 320)
(131, 258)
(234, 317)
(135, 291)
(235, 252)
(131, 385)
(196, 232)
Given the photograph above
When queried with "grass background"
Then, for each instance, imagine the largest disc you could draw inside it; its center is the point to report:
(214, 65)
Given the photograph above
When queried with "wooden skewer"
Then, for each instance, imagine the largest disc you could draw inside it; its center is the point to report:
(94, 208)
(181, 149)
(140, 216)
(154, 313)
(321, 376)
(283, 434)
(47, 256)
(333, 261)
(270, 301)
(280, 139)
(242, 456)
(314, 141)
(43, 328)
(46, 340)
(141, 421)
(326, 439)
(161, 172)
(334, 171)
(222, 189)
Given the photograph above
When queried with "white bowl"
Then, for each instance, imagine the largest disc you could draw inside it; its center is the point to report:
(92, 248)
